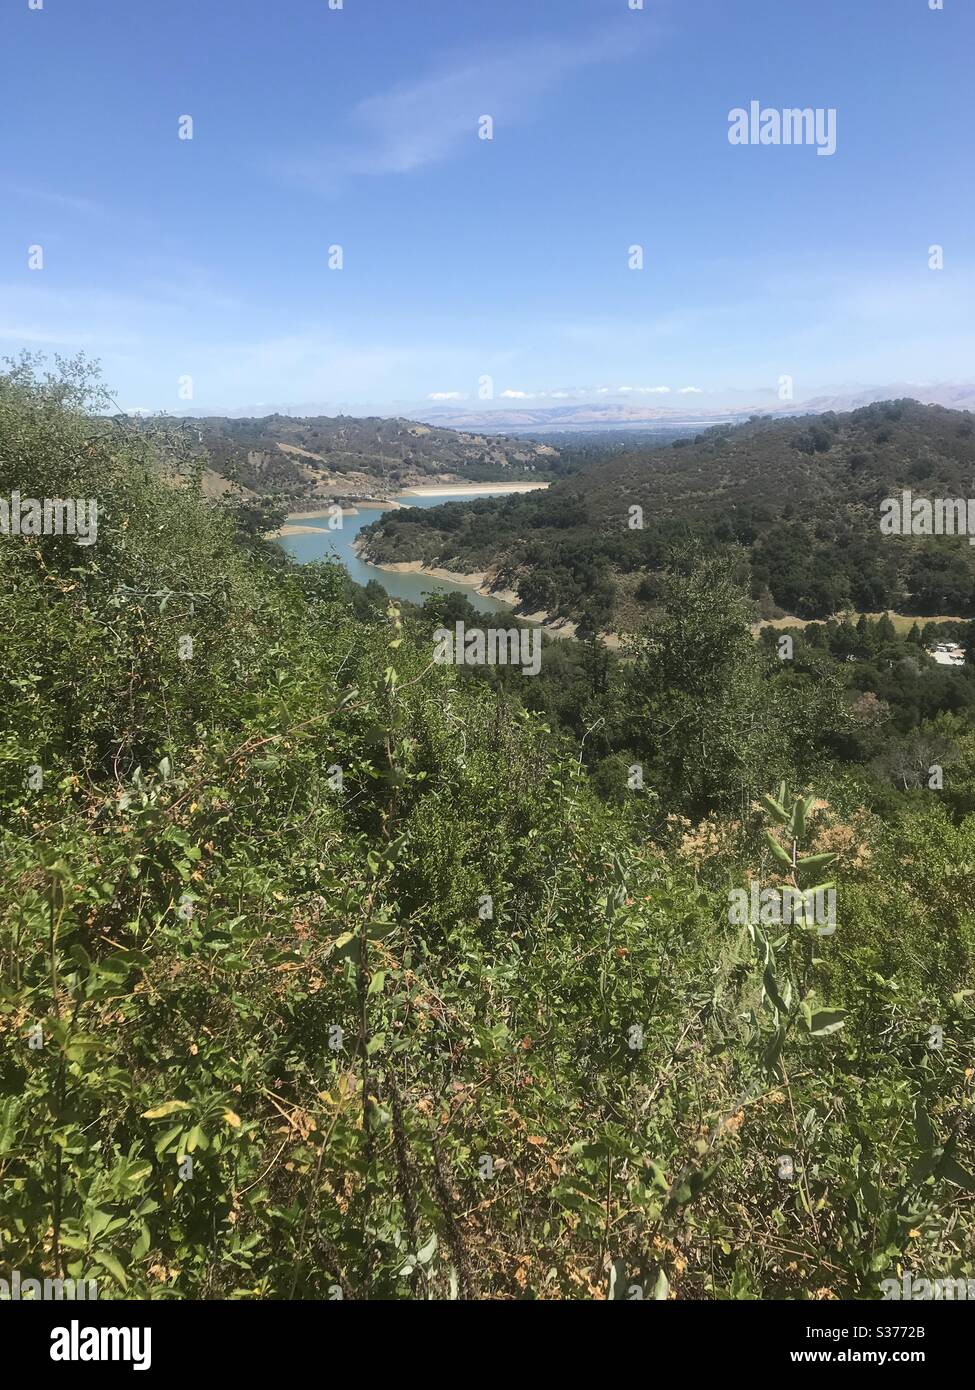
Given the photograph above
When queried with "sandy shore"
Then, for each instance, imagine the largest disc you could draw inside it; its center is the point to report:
(459, 489)
(321, 512)
(293, 527)
(418, 567)
(290, 530)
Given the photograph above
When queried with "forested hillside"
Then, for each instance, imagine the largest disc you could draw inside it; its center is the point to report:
(323, 458)
(796, 501)
(330, 971)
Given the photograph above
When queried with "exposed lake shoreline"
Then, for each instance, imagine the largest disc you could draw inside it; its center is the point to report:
(461, 489)
(478, 581)
(293, 525)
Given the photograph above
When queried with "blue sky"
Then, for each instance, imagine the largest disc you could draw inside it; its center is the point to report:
(465, 258)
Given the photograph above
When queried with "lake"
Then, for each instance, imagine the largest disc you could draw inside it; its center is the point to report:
(414, 587)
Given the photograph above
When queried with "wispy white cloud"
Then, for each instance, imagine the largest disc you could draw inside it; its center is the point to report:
(69, 202)
(423, 122)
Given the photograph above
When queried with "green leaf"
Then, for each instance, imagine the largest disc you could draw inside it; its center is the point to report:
(74, 1242)
(954, 1172)
(772, 1050)
(772, 989)
(778, 812)
(81, 1045)
(783, 859)
(376, 930)
(164, 1142)
(822, 1022)
(169, 1107)
(110, 1263)
(426, 1253)
(813, 863)
(196, 1139)
(923, 1128)
(98, 1221)
(820, 887)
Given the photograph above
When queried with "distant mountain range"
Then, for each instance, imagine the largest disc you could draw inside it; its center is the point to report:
(522, 420)
(959, 396)
(524, 417)
(609, 416)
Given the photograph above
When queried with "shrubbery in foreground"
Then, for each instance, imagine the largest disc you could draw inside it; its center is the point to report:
(324, 969)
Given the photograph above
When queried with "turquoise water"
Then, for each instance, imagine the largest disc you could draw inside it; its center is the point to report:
(409, 586)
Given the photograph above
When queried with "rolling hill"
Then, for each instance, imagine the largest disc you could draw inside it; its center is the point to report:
(798, 499)
(327, 458)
